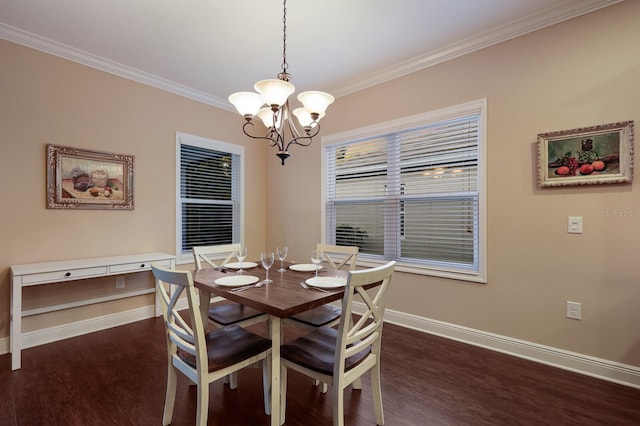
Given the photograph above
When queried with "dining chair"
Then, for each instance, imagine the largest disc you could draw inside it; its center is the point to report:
(339, 357)
(203, 358)
(226, 313)
(328, 315)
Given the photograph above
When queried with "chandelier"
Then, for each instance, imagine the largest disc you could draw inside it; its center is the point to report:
(276, 115)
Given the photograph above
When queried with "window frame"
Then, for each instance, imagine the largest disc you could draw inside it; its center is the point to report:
(214, 145)
(473, 107)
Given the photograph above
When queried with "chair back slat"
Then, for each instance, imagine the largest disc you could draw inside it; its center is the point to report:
(185, 337)
(367, 331)
(343, 255)
(204, 254)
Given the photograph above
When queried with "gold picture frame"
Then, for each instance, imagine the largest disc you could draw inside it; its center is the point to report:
(586, 156)
(86, 179)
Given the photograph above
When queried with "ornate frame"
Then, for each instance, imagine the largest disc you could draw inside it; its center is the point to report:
(84, 179)
(590, 155)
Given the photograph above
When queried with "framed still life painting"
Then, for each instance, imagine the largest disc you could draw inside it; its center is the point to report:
(84, 179)
(590, 155)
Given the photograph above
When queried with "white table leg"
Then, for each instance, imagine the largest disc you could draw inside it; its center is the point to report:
(15, 344)
(275, 370)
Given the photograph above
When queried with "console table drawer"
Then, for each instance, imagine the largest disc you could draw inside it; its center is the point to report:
(64, 275)
(136, 266)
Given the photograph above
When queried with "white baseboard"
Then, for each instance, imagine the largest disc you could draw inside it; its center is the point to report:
(623, 374)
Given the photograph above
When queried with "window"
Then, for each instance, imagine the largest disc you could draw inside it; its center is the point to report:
(209, 193)
(411, 190)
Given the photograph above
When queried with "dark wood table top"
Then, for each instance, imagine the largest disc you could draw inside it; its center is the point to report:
(283, 297)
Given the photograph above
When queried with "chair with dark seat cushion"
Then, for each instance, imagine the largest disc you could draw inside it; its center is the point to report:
(337, 257)
(340, 357)
(203, 358)
(226, 312)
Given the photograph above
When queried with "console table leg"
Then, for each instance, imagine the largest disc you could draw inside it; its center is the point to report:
(16, 325)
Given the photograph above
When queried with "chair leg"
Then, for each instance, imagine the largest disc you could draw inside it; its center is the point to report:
(338, 404)
(357, 384)
(266, 384)
(324, 388)
(233, 380)
(203, 403)
(170, 397)
(376, 390)
(283, 393)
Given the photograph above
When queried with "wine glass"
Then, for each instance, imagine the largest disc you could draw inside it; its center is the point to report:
(267, 261)
(316, 259)
(282, 254)
(242, 254)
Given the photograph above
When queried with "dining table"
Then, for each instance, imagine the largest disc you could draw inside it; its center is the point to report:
(282, 298)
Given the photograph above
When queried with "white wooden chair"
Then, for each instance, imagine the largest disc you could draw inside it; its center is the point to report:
(229, 312)
(203, 358)
(226, 313)
(339, 357)
(338, 257)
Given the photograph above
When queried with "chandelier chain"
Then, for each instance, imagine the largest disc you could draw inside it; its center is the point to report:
(285, 66)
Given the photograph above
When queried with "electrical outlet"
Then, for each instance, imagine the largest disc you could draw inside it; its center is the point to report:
(574, 310)
(119, 282)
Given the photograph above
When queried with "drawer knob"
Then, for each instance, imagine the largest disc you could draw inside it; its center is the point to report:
(68, 274)
(143, 265)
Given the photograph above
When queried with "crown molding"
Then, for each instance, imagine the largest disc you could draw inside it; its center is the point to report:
(497, 35)
(64, 51)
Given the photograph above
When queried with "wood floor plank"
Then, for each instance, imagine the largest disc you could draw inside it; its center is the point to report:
(117, 377)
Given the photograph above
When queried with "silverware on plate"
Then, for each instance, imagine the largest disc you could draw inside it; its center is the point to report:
(308, 287)
(247, 287)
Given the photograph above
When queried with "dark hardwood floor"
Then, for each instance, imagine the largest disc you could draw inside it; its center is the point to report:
(117, 377)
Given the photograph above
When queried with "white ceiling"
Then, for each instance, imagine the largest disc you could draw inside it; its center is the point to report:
(208, 49)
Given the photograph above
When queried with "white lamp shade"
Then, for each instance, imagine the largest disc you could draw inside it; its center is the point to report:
(266, 115)
(274, 92)
(315, 101)
(304, 117)
(247, 103)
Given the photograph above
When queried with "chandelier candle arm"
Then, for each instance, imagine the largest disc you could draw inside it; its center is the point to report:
(276, 116)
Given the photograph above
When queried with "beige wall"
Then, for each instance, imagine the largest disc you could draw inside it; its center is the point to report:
(45, 100)
(579, 73)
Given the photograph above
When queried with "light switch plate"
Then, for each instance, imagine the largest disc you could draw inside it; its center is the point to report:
(574, 225)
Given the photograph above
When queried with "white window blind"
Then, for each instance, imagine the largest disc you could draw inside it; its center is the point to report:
(411, 194)
(209, 193)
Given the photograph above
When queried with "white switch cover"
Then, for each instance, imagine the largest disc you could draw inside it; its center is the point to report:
(574, 310)
(575, 225)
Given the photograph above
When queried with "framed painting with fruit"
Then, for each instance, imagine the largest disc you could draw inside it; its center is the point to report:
(590, 155)
(84, 179)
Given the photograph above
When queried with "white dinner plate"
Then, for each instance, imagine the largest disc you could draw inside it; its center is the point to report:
(326, 282)
(236, 265)
(305, 267)
(236, 280)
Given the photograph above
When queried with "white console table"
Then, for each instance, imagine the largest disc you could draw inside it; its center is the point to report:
(69, 270)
